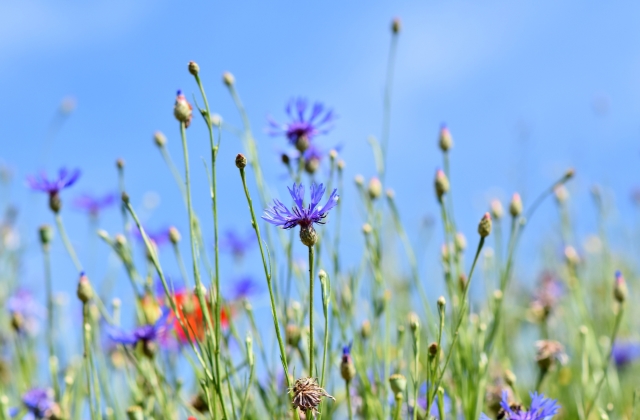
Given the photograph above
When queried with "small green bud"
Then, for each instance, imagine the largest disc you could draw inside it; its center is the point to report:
(515, 207)
(228, 79)
(84, 291)
(396, 26)
(359, 180)
(174, 235)
(484, 227)
(445, 141)
(433, 350)
(159, 139)
(620, 288)
(241, 161)
(414, 322)
(496, 209)
(135, 413)
(375, 188)
(194, 68)
(46, 234)
(441, 184)
(398, 383)
(365, 329)
(292, 334)
(120, 163)
(460, 242)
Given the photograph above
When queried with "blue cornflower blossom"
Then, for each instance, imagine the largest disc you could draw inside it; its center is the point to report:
(347, 368)
(237, 244)
(53, 187)
(39, 404)
(541, 408)
(302, 128)
(146, 334)
(25, 311)
(625, 352)
(280, 215)
(158, 237)
(243, 287)
(92, 204)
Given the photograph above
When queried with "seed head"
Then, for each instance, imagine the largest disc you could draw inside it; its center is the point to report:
(307, 394)
(484, 227)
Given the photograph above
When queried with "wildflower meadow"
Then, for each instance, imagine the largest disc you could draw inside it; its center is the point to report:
(307, 292)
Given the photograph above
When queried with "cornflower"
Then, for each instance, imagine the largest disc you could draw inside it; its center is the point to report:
(236, 244)
(302, 128)
(280, 215)
(541, 409)
(243, 287)
(92, 204)
(625, 352)
(158, 237)
(39, 404)
(147, 334)
(54, 186)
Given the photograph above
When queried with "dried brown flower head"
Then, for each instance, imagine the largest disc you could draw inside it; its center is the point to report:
(307, 394)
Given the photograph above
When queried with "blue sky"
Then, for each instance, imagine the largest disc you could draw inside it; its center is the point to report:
(527, 88)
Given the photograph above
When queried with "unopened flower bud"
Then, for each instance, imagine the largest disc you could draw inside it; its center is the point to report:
(484, 227)
(120, 240)
(125, 197)
(215, 120)
(433, 349)
(120, 163)
(396, 25)
(441, 303)
(194, 68)
(292, 334)
(84, 291)
(103, 234)
(561, 194)
(398, 383)
(569, 174)
(347, 368)
(285, 159)
(620, 288)
(308, 235)
(515, 207)
(359, 180)
(341, 165)
(182, 109)
(333, 154)
(445, 141)
(367, 229)
(228, 79)
(159, 139)
(241, 161)
(46, 235)
(414, 322)
(375, 188)
(441, 184)
(391, 194)
(311, 165)
(135, 412)
(571, 256)
(174, 235)
(365, 329)
(460, 242)
(496, 209)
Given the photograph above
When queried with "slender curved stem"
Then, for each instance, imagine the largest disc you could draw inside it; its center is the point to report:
(311, 347)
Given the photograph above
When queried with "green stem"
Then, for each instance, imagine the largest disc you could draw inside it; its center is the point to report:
(86, 331)
(349, 410)
(311, 347)
(67, 243)
(607, 362)
(459, 322)
(267, 273)
(50, 321)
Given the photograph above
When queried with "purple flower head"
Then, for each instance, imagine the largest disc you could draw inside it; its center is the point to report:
(145, 333)
(625, 352)
(236, 244)
(541, 408)
(39, 404)
(25, 311)
(346, 353)
(435, 411)
(92, 204)
(303, 126)
(65, 179)
(244, 287)
(280, 215)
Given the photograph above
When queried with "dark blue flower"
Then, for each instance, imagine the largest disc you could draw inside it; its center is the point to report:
(625, 352)
(236, 244)
(158, 237)
(244, 287)
(145, 333)
(303, 126)
(65, 179)
(92, 204)
(39, 404)
(280, 215)
(541, 408)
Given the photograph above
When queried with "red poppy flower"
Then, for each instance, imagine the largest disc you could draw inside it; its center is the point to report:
(189, 309)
